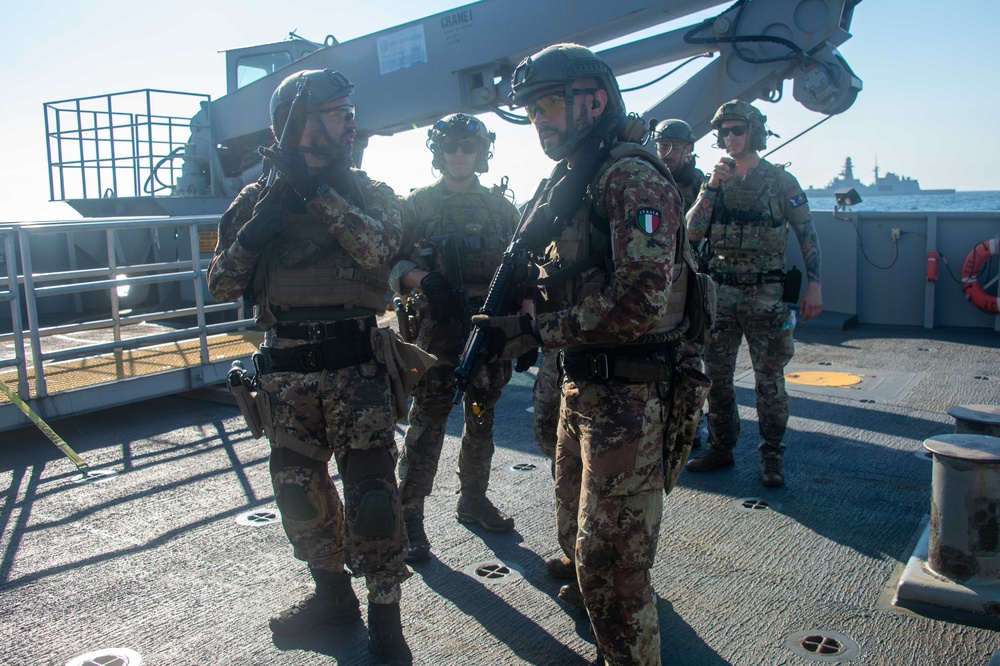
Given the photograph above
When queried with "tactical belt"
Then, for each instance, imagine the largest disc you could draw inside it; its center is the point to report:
(639, 365)
(748, 279)
(327, 331)
(330, 355)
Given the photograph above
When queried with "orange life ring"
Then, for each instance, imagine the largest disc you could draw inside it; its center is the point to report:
(970, 275)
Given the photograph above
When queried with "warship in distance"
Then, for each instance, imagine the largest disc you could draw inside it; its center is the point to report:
(889, 184)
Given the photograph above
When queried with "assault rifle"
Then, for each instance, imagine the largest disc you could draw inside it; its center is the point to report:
(441, 253)
(291, 135)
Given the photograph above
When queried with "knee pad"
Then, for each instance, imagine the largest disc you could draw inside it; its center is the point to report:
(368, 475)
(294, 503)
(375, 519)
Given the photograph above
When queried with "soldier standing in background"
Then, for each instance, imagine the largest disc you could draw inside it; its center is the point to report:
(674, 145)
(311, 252)
(454, 235)
(613, 302)
(747, 209)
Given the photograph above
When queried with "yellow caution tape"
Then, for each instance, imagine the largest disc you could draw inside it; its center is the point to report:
(43, 426)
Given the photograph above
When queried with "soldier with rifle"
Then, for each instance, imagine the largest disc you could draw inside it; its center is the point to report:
(310, 250)
(454, 233)
(612, 299)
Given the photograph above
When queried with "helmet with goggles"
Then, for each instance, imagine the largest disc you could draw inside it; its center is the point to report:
(453, 132)
(552, 72)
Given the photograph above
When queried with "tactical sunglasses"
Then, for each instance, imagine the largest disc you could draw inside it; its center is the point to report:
(467, 147)
(340, 113)
(552, 104)
(738, 130)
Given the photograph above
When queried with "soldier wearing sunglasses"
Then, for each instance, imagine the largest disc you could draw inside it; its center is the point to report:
(745, 209)
(454, 235)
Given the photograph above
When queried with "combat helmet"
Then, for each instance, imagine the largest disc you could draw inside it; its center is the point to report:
(460, 126)
(673, 129)
(737, 109)
(324, 85)
(560, 65)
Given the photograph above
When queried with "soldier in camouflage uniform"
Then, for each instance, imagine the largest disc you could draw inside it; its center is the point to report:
(674, 145)
(311, 252)
(747, 210)
(477, 223)
(612, 299)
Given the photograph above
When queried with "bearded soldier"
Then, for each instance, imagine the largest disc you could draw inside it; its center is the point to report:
(746, 208)
(454, 235)
(612, 301)
(311, 252)
(674, 145)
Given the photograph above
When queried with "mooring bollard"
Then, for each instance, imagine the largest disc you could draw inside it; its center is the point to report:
(964, 537)
(976, 419)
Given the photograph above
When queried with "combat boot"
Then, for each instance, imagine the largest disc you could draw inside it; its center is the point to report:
(420, 547)
(771, 473)
(477, 508)
(333, 602)
(709, 459)
(570, 593)
(561, 568)
(385, 636)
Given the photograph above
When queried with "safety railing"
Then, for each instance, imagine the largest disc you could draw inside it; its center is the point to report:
(190, 238)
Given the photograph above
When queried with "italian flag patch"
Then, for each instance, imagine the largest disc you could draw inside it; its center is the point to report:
(648, 220)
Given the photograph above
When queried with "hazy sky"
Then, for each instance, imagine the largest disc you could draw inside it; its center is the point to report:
(929, 87)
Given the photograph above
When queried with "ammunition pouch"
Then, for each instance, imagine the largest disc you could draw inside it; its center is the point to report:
(688, 391)
(637, 365)
(405, 364)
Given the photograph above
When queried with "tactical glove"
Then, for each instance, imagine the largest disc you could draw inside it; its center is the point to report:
(291, 164)
(266, 223)
(509, 337)
(440, 297)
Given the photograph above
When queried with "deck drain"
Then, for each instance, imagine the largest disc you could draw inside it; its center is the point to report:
(754, 504)
(868, 401)
(982, 377)
(258, 517)
(524, 467)
(95, 476)
(493, 572)
(107, 657)
(823, 645)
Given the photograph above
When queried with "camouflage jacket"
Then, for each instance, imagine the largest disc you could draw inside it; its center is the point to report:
(369, 236)
(482, 220)
(644, 213)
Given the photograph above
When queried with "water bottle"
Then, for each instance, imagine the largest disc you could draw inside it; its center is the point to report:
(789, 323)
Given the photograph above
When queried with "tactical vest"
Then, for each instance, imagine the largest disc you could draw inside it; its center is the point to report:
(477, 226)
(580, 259)
(745, 223)
(308, 276)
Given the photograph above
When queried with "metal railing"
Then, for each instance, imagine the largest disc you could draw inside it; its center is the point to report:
(26, 289)
(115, 145)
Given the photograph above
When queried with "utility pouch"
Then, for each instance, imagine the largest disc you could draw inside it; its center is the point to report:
(793, 285)
(688, 391)
(241, 386)
(700, 307)
(404, 362)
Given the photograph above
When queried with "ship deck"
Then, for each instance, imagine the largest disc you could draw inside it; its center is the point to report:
(177, 558)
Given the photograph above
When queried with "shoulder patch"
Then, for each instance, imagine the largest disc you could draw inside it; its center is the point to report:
(798, 200)
(648, 220)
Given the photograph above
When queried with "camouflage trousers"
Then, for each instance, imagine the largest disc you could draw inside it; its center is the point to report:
(756, 313)
(609, 500)
(433, 399)
(346, 414)
(545, 400)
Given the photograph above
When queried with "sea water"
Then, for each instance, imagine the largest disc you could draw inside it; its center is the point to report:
(959, 201)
